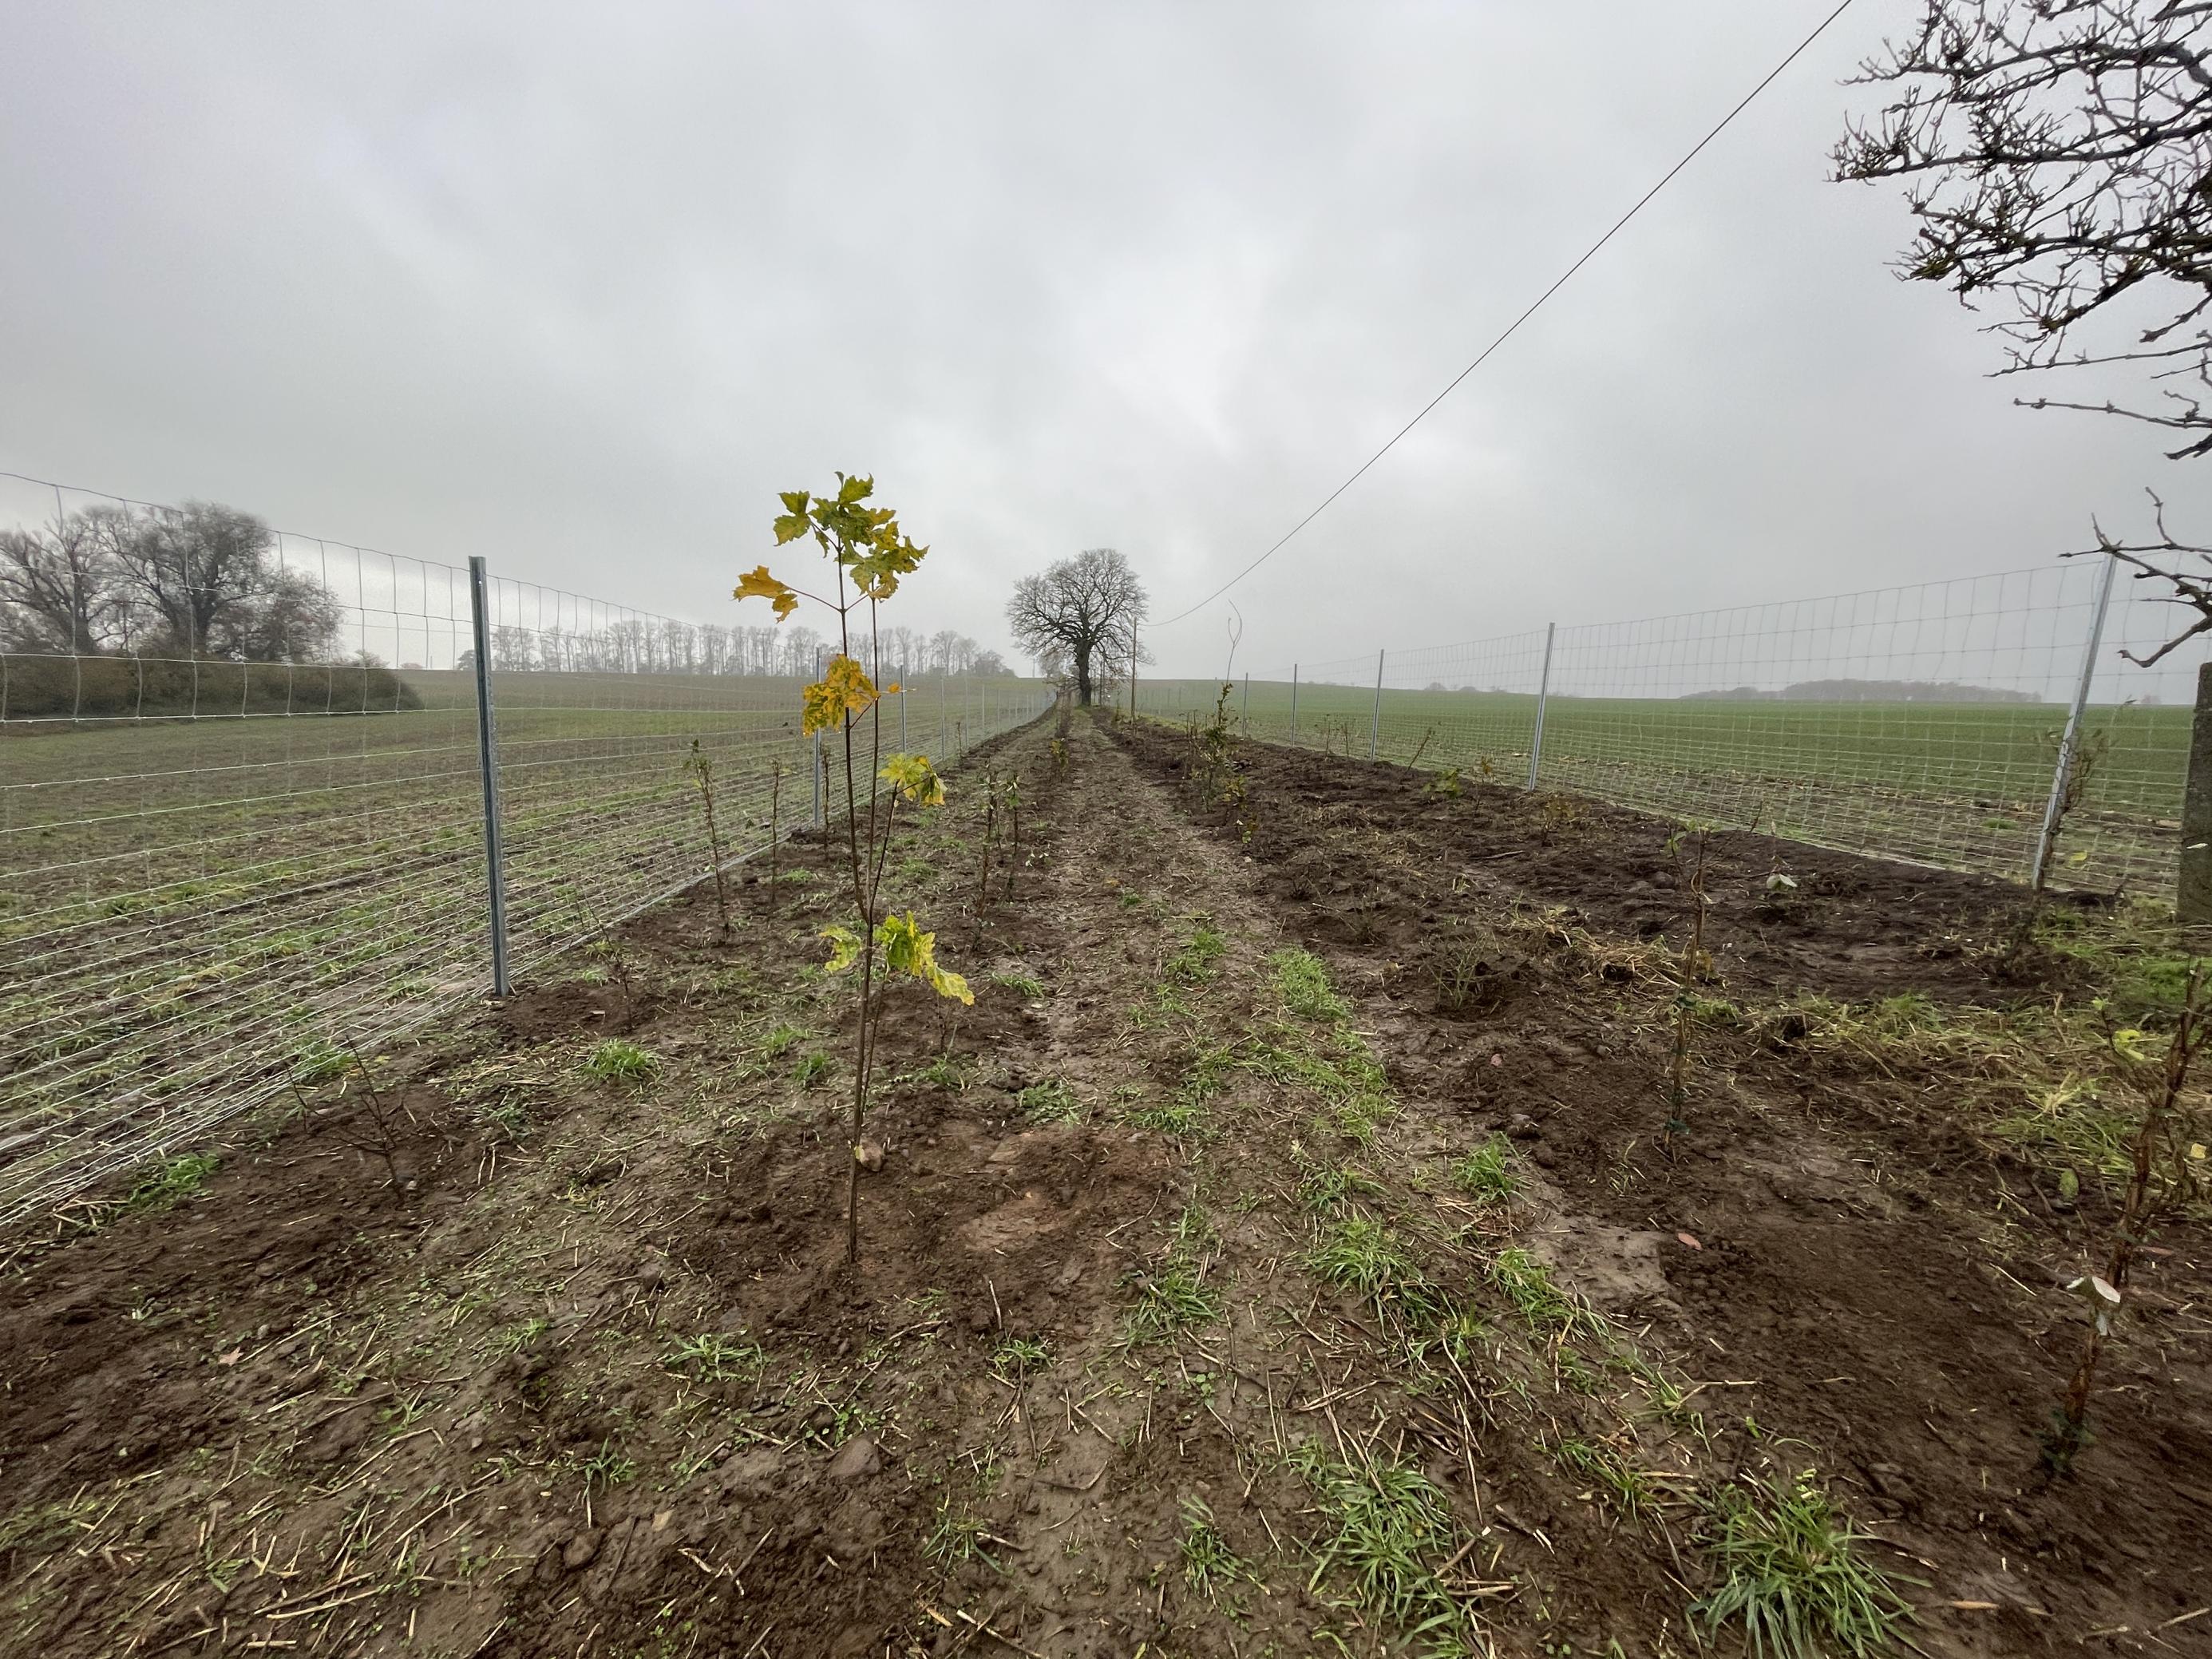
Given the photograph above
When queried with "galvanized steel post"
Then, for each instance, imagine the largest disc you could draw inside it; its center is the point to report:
(1294, 703)
(1543, 693)
(2069, 745)
(488, 762)
(1375, 730)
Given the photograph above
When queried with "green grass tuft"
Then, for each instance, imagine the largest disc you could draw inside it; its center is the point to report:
(161, 1184)
(1198, 959)
(1487, 1173)
(1388, 1528)
(1176, 1298)
(1624, 1487)
(619, 1059)
(1209, 1566)
(1362, 1256)
(1049, 1101)
(1527, 1283)
(715, 1358)
(1791, 1574)
(1020, 1357)
(1303, 983)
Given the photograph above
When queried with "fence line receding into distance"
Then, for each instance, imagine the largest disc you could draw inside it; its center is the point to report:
(216, 872)
(1922, 723)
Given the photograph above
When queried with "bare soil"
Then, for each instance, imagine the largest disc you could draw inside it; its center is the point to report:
(592, 1376)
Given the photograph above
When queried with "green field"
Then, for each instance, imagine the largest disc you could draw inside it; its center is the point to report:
(1961, 785)
(188, 906)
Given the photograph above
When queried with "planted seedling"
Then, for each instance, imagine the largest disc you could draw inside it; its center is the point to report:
(869, 555)
(609, 950)
(384, 1130)
(986, 842)
(1213, 768)
(2165, 1165)
(701, 765)
(775, 824)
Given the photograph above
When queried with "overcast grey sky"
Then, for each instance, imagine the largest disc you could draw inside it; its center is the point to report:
(580, 288)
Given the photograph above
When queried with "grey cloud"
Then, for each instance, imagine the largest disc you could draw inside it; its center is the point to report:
(580, 288)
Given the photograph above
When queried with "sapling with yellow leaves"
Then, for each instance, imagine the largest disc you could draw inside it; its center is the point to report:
(868, 555)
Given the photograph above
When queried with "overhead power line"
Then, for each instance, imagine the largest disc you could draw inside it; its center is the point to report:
(1537, 305)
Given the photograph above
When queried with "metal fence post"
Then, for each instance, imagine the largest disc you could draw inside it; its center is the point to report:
(488, 762)
(902, 695)
(2054, 808)
(1543, 693)
(1375, 730)
(1244, 709)
(1294, 703)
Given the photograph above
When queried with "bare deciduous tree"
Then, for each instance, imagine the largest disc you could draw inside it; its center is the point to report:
(197, 571)
(1085, 610)
(2057, 155)
(203, 580)
(57, 589)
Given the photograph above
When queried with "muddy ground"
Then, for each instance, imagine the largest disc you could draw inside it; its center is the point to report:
(1172, 1279)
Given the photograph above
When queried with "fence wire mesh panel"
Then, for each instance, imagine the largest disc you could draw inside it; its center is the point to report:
(1471, 706)
(241, 810)
(1920, 723)
(231, 836)
(599, 708)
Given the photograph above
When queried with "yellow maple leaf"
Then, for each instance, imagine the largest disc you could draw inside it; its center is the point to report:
(844, 691)
(759, 584)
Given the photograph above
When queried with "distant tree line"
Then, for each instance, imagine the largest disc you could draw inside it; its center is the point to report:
(1869, 691)
(110, 611)
(655, 645)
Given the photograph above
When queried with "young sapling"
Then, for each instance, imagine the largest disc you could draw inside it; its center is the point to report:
(775, 824)
(701, 766)
(869, 555)
(2164, 1161)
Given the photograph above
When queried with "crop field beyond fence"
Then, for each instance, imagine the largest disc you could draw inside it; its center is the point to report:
(199, 912)
(1958, 784)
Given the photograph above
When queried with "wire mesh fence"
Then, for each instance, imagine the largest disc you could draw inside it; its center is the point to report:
(1922, 723)
(241, 814)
